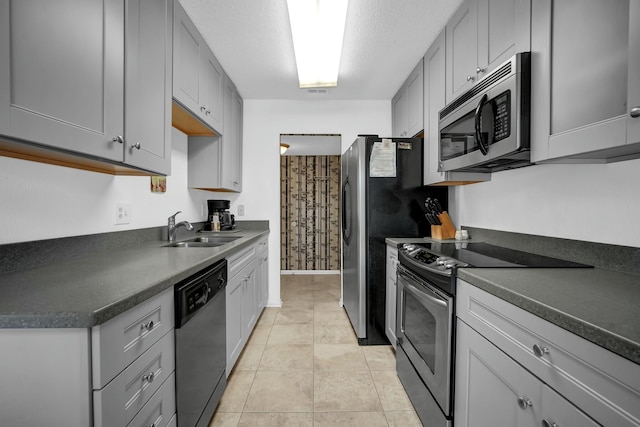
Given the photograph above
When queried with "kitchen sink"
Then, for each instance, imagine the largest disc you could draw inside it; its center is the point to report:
(204, 242)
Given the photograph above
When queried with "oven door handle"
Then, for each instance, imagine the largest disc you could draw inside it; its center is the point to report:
(434, 300)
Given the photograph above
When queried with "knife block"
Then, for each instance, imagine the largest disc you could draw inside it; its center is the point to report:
(445, 231)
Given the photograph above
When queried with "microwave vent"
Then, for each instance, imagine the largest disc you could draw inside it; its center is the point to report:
(483, 84)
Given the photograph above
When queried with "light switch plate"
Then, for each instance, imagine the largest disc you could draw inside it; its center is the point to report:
(240, 210)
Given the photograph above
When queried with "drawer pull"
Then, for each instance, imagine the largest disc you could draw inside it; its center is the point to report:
(524, 403)
(540, 351)
(546, 423)
(147, 325)
(149, 377)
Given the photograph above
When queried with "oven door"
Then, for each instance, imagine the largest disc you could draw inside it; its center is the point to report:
(425, 318)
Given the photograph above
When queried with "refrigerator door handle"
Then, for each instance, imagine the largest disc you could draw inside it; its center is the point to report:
(346, 217)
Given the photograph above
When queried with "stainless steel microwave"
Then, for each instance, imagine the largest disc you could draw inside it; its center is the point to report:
(486, 129)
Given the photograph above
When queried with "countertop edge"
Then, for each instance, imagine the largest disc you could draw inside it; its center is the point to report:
(89, 319)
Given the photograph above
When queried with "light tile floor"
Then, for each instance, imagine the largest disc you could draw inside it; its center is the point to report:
(303, 367)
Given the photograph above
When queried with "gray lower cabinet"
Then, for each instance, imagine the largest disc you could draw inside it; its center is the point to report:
(82, 77)
(392, 281)
(262, 249)
(242, 301)
(584, 113)
(117, 374)
(514, 368)
(198, 77)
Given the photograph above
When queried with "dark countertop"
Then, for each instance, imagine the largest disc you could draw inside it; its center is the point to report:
(88, 291)
(597, 304)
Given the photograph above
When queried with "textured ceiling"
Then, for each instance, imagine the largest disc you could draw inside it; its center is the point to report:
(383, 41)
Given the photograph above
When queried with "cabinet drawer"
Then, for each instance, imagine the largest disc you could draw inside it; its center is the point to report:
(119, 341)
(239, 260)
(122, 398)
(160, 409)
(261, 246)
(603, 384)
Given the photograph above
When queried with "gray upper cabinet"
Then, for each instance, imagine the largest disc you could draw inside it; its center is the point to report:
(434, 101)
(215, 162)
(148, 77)
(231, 164)
(480, 36)
(62, 74)
(583, 109)
(64, 85)
(407, 105)
(197, 75)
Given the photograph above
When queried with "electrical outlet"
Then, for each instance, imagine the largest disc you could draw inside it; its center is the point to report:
(123, 213)
(240, 210)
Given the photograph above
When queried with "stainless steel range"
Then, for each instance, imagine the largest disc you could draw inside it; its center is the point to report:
(426, 316)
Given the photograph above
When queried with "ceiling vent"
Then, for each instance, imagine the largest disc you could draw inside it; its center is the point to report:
(317, 91)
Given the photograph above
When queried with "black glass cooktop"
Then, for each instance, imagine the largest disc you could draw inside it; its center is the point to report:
(484, 255)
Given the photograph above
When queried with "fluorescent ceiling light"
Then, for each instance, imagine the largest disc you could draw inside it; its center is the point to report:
(317, 28)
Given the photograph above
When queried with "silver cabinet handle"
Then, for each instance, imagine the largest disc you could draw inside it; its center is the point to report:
(118, 139)
(635, 112)
(148, 377)
(470, 78)
(524, 403)
(136, 146)
(540, 351)
(147, 325)
(480, 70)
(203, 108)
(208, 112)
(546, 423)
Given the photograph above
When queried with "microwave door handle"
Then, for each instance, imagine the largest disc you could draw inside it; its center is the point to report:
(483, 145)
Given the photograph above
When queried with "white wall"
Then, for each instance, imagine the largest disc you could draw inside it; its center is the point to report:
(264, 121)
(597, 203)
(42, 201)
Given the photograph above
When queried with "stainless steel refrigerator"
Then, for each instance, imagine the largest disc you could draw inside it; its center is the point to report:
(382, 196)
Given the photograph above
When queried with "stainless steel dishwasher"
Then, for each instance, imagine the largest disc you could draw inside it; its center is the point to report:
(200, 345)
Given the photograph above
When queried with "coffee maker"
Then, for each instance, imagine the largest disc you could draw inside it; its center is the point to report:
(220, 208)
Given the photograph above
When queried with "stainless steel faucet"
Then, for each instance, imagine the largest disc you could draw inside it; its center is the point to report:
(173, 227)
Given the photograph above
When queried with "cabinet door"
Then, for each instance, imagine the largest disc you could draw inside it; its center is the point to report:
(579, 107)
(633, 85)
(557, 411)
(211, 84)
(234, 328)
(415, 95)
(148, 76)
(490, 387)
(62, 74)
(399, 107)
(504, 29)
(231, 161)
(434, 101)
(238, 121)
(249, 300)
(390, 315)
(187, 45)
(462, 49)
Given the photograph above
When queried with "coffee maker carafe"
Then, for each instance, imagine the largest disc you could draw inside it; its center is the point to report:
(219, 209)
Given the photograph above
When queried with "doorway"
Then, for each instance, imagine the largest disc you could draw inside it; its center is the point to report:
(310, 204)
